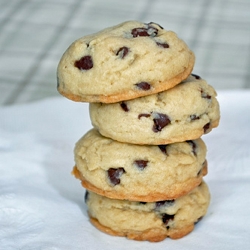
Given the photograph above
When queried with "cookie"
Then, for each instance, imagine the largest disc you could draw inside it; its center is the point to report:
(184, 112)
(123, 62)
(152, 221)
(139, 172)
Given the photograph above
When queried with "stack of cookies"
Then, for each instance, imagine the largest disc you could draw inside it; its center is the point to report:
(143, 161)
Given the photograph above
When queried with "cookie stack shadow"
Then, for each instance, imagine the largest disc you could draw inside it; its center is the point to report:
(143, 162)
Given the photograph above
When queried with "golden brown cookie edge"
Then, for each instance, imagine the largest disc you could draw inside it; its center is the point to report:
(159, 196)
(152, 235)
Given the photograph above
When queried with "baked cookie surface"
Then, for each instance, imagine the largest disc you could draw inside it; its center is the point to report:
(139, 172)
(152, 221)
(123, 62)
(184, 112)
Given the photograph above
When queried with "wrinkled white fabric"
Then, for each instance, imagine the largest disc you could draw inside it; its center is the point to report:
(42, 204)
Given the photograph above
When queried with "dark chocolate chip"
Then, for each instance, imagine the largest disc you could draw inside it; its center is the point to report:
(142, 202)
(141, 164)
(124, 106)
(164, 203)
(156, 24)
(194, 117)
(115, 174)
(160, 121)
(194, 146)
(163, 148)
(163, 45)
(199, 172)
(167, 217)
(143, 115)
(85, 63)
(206, 127)
(152, 31)
(139, 32)
(196, 76)
(143, 85)
(148, 31)
(122, 52)
(205, 95)
(198, 220)
(86, 196)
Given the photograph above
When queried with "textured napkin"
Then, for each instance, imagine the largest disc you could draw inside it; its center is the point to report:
(42, 204)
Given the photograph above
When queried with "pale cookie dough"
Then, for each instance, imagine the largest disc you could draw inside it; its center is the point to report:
(123, 62)
(185, 112)
(139, 172)
(149, 221)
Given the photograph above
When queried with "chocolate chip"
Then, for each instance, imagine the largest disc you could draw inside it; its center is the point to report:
(143, 115)
(142, 202)
(115, 174)
(148, 31)
(194, 117)
(122, 52)
(193, 145)
(163, 148)
(124, 106)
(167, 217)
(164, 203)
(143, 85)
(160, 121)
(152, 31)
(85, 63)
(139, 32)
(206, 127)
(196, 76)
(86, 196)
(156, 24)
(198, 220)
(141, 164)
(163, 45)
(199, 171)
(205, 95)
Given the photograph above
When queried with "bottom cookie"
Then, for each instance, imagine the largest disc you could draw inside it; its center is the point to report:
(151, 221)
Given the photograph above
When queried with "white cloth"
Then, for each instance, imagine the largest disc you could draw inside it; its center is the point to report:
(42, 204)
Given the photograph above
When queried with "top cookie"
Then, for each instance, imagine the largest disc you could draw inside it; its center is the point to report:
(123, 62)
